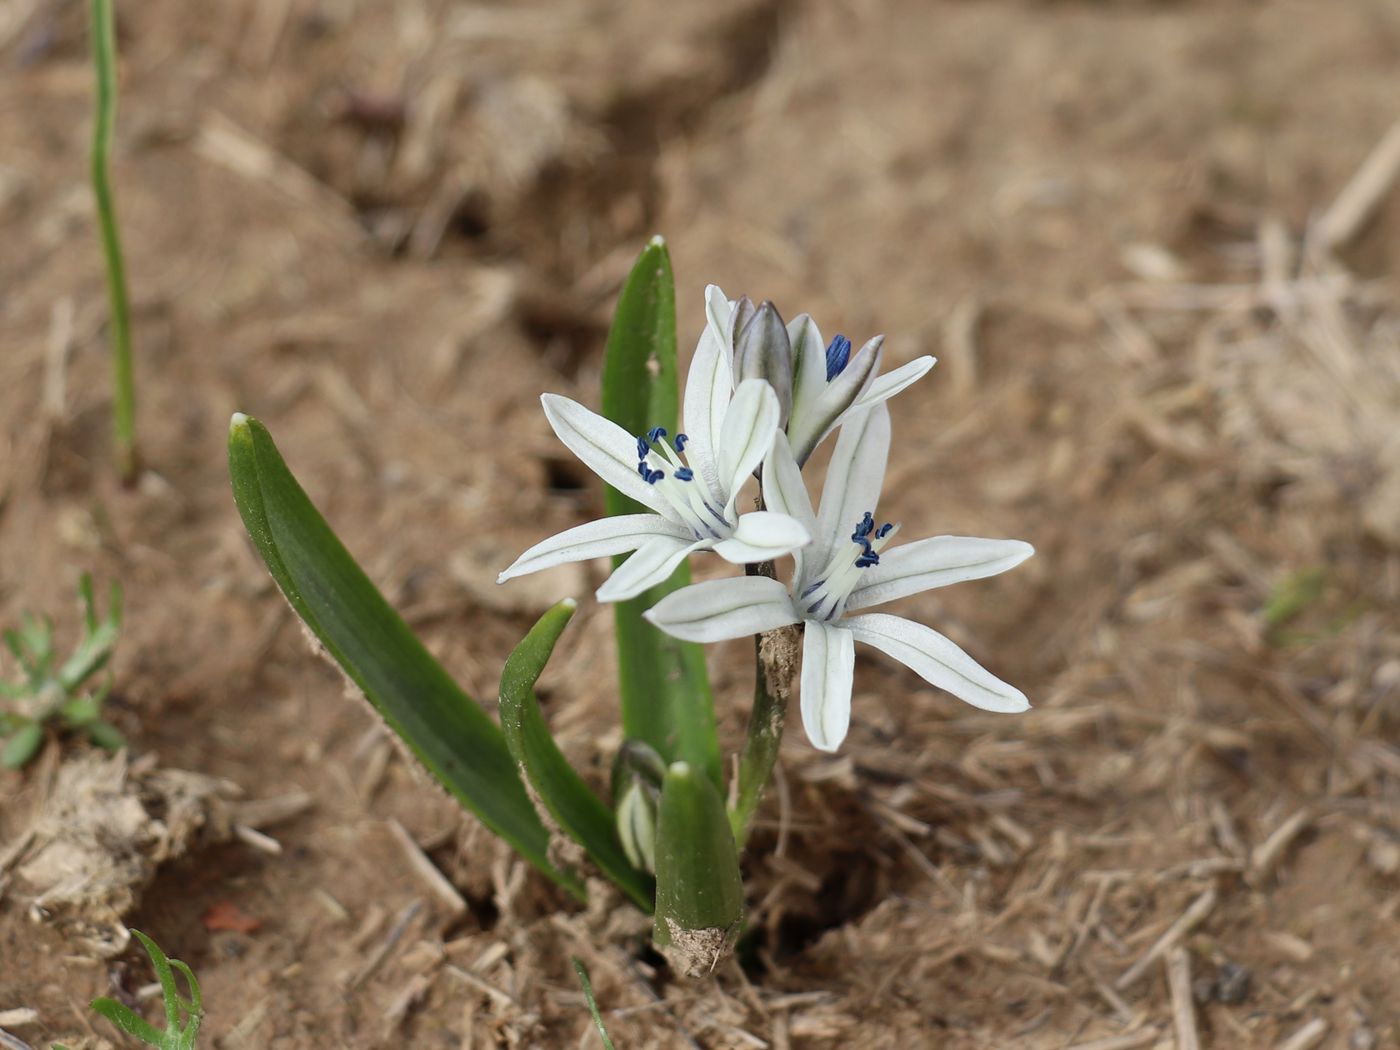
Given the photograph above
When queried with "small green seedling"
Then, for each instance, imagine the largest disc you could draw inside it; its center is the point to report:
(50, 691)
(104, 57)
(182, 1016)
(582, 972)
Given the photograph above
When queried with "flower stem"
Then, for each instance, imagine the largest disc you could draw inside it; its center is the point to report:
(104, 47)
(775, 657)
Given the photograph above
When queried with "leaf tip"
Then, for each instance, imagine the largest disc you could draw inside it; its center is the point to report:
(657, 241)
(237, 421)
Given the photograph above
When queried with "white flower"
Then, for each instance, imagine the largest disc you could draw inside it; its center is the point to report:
(844, 569)
(692, 483)
(828, 383)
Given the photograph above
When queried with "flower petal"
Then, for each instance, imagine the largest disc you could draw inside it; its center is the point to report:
(709, 386)
(937, 661)
(828, 669)
(832, 406)
(746, 436)
(719, 315)
(719, 609)
(762, 536)
(653, 562)
(886, 386)
(596, 539)
(935, 562)
(808, 362)
(603, 446)
(785, 492)
(853, 479)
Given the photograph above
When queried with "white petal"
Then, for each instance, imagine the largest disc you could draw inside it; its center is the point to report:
(719, 609)
(606, 449)
(808, 362)
(762, 536)
(653, 563)
(708, 388)
(746, 437)
(832, 406)
(937, 661)
(597, 539)
(828, 668)
(853, 479)
(785, 492)
(719, 315)
(888, 385)
(936, 562)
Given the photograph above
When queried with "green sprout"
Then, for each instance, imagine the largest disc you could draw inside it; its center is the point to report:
(52, 691)
(583, 980)
(182, 1015)
(104, 56)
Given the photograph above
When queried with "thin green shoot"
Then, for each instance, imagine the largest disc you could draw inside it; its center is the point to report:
(182, 1015)
(52, 692)
(582, 972)
(104, 53)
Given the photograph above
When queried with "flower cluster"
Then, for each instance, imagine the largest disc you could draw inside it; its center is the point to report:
(760, 397)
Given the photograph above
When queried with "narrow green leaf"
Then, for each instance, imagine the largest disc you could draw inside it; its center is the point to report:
(587, 985)
(105, 735)
(169, 993)
(104, 56)
(454, 739)
(99, 638)
(129, 1021)
(576, 811)
(664, 688)
(699, 891)
(22, 745)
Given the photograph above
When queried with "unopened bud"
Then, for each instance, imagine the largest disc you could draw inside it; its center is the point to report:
(762, 350)
(636, 823)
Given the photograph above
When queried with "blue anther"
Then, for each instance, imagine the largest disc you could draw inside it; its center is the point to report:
(838, 353)
(642, 468)
(655, 434)
(684, 474)
(885, 530)
(643, 446)
(865, 527)
(655, 476)
(681, 439)
(811, 589)
(867, 559)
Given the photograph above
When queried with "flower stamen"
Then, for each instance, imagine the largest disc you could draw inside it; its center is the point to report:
(674, 480)
(825, 598)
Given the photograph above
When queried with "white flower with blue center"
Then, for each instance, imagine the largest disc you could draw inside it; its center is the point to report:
(691, 482)
(819, 384)
(847, 568)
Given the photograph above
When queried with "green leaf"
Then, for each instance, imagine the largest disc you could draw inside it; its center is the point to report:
(453, 738)
(99, 637)
(578, 812)
(22, 745)
(664, 688)
(81, 711)
(587, 985)
(699, 891)
(105, 735)
(129, 1021)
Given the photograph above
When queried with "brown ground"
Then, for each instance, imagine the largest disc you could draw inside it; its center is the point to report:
(385, 228)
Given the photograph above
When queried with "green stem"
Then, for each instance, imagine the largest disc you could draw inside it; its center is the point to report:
(104, 50)
(775, 656)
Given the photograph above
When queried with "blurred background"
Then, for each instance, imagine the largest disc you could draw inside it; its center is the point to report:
(1160, 274)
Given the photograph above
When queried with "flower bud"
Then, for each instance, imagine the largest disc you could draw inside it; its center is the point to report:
(762, 350)
(636, 823)
(636, 790)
